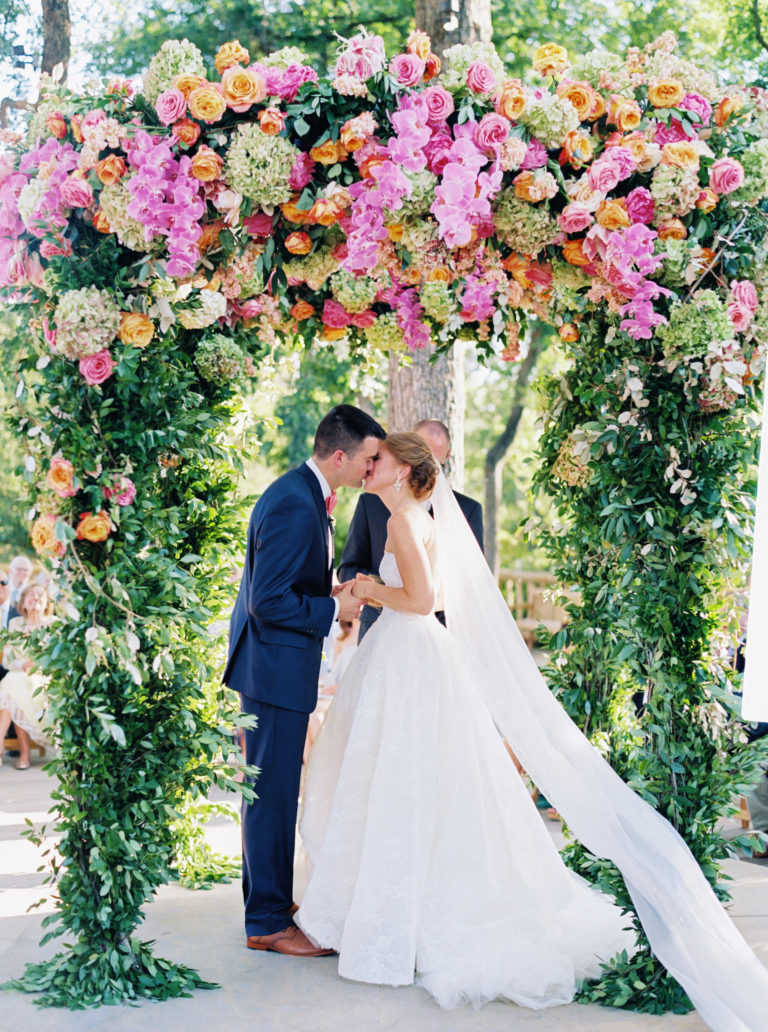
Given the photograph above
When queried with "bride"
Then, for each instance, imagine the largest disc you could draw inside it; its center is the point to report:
(429, 861)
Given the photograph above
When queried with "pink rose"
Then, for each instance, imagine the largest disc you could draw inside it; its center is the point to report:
(605, 174)
(740, 316)
(259, 224)
(480, 78)
(726, 175)
(408, 69)
(640, 205)
(672, 133)
(49, 249)
(302, 171)
(93, 117)
(625, 159)
(439, 104)
(745, 294)
(335, 315)
(171, 106)
(438, 152)
(574, 218)
(273, 78)
(535, 156)
(698, 106)
(362, 320)
(294, 76)
(97, 368)
(76, 191)
(492, 130)
(123, 492)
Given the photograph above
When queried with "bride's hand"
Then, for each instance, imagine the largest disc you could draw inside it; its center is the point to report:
(358, 589)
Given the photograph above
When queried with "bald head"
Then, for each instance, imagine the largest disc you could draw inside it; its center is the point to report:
(437, 436)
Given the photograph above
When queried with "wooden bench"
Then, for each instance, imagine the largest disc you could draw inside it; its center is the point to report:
(11, 744)
(530, 596)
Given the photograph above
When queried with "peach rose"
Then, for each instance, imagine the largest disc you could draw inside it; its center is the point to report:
(666, 93)
(302, 310)
(230, 54)
(569, 333)
(43, 535)
(241, 88)
(186, 82)
(646, 155)
(206, 104)
(110, 169)
(613, 215)
(672, 229)
(680, 155)
(93, 527)
(728, 106)
(207, 165)
(598, 108)
(577, 149)
(625, 114)
(550, 59)
(101, 222)
(136, 329)
(293, 213)
(440, 274)
(395, 232)
(357, 131)
(580, 94)
(573, 252)
(707, 200)
(60, 477)
(271, 121)
(509, 100)
(329, 152)
(420, 44)
(186, 132)
(298, 243)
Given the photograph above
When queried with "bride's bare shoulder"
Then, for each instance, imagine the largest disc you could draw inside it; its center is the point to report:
(411, 521)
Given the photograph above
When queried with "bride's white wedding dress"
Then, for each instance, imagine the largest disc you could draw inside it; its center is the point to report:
(429, 855)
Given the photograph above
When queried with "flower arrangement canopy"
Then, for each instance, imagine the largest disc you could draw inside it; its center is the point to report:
(159, 246)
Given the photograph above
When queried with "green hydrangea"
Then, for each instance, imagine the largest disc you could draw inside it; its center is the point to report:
(29, 199)
(590, 66)
(49, 104)
(677, 259)
(422, 195)
(755, 186)
(259, 166)
(219, 359)
(385, 334)
(114, 200)
(175, 57)
(438, 300)
(456, 62)
(356, 293)
(674, 191)
(313, 269)
(86, 320)
(694, 325)
(525, 227)
(550, 119)
(418, 233)
(284, 58)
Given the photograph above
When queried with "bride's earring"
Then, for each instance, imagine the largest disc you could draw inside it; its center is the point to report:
(399, 482)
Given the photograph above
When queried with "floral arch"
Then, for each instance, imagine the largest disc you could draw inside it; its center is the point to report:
(157, 245)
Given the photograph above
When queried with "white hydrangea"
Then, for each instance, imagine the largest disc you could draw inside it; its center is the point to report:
(213, 305)
(29, 199)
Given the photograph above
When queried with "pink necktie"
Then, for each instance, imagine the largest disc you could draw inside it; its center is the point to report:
(330, 502)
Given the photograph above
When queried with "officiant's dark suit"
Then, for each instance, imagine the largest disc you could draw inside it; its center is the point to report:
(367, 535)
(282, 613)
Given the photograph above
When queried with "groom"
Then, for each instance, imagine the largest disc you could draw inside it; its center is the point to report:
(283, 611)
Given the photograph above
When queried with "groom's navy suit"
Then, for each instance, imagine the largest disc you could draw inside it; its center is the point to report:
(282, 613)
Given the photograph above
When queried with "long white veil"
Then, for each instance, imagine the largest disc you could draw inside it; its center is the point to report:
(687, 927)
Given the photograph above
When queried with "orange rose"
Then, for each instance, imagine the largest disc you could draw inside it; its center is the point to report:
(707, 200)
(706, 257)
(440, 274)
(577, 149)
(136, 329)
(101, 222)
(374, 161)
(328, 153)
(209, 238)
(598, 108)
(292, 213)
(550, 59)
(206, 104)
(94, 526)
(302, 310)
(242, 87)
(673, 229)
(573, 252)
(271, 121)
(44, 537)
(76, 122)
(186, 82)
(110, 169)
(510, 99)
(331, 334)
(298, 243)
(207, 165)
(680, 155)
(613, 215)
(624, 114)
(569, 333)
(186, 131)
(56, 124)
(229, 54)
(61, 477)
(728, 106)
(666, 93)
(324, 212)
(580, 94)
(395, 232)
(432, 68)
(420, 44)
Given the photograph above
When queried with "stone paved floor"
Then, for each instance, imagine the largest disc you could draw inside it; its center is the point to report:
(265, 992)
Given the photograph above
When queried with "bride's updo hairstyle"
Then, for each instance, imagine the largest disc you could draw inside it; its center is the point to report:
(414, 451)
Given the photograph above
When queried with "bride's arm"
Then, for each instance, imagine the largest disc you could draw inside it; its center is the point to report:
(417, 594)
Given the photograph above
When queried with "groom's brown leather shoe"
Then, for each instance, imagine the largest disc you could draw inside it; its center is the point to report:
(291, 941)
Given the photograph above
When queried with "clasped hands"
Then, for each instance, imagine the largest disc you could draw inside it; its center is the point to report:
(352, 597)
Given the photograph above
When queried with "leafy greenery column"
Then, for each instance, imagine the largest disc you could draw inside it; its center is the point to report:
(650, 480)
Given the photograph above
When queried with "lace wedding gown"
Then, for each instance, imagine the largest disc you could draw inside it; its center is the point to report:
(430, 861)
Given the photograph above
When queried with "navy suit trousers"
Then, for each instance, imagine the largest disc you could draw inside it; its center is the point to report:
(275, 746)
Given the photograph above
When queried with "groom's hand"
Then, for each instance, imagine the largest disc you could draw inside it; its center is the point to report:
(349, 606)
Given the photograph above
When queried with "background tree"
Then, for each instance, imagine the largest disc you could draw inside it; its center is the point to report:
(57, 35)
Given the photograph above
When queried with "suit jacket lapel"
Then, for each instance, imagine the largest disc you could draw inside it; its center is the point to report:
(317, 494)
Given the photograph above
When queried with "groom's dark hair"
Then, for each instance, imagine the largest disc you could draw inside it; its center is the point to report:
(345, 428)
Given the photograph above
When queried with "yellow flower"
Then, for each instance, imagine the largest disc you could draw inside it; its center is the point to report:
(680, 155)
(206, 104)
(242, 87)
(136, 329)
(550, 59)
(420, 44)
(613, 215)
(229, 54)
(328, 153)
(666, 93)
(186, 82)
(673, 229)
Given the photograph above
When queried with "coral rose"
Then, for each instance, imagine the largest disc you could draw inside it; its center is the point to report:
(613, 215)
(580, 94)
(420, 44)
(329, 152)
(241, 88)
(407, 69)
(56, 124)
(672, 229)
(97, 368)
(186, 132)
(136, 329)
(324, 212)
(298, 243)
(665, 93)
(206, 165)
(329, 333)
(550, 59)
(229, 54)
(509, 100)
(187, 81)
(481, 78)
(294, 213)
(271, 121)
(61, 476)
(726, 175)
(170, 106)
(93, 527)
(206, 103)
(707, 200)
(302, 310)
(335, 315)
(43, 535)
(110, 169)
(728, 106)
(680, 155)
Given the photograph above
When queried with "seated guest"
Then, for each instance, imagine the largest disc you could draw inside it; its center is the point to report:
(7, 610)
(22, 698)
(19, 572)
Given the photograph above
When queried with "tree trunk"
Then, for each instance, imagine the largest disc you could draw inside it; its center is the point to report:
(536, 342)
(57, 31)
(454, 21)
